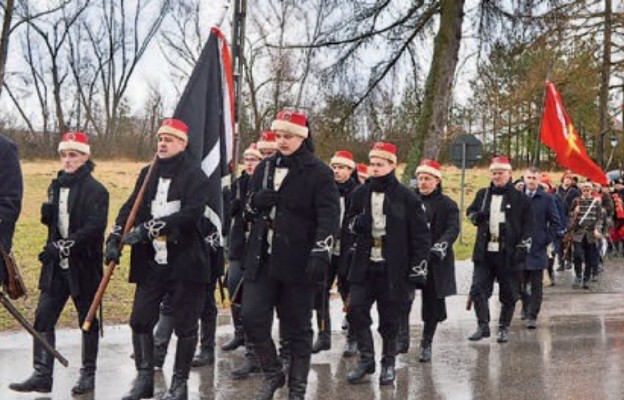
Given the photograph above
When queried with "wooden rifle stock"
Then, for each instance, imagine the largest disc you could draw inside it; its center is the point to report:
(97, 299)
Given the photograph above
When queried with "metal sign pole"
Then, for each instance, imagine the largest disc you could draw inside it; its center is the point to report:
(461, 199)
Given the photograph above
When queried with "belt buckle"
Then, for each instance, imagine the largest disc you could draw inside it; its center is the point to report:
(494, 238)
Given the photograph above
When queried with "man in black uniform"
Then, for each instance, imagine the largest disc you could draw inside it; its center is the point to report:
(443, 218)
(11, 191)
(567, 192)
(392, 248)
(343, 165)
(76, 214)
(168, 257)
(504, 221)
(238, 238)
(295, 211)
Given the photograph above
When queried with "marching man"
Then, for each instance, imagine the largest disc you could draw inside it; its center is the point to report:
(392, 248)
(504, 222)
(168, 257)
(76, 214)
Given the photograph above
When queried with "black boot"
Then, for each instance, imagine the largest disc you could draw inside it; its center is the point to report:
(239, 335)
(483, 316)
(143, 386)
(43, 363)
(503, 334)
(366, 363)
(162, 337)
(389, 351)
(323, 340)
(274, 377)
(298, 377)
(207, 345)
(86, 381)
(504, 322)
(183, 359)
(425, 344)
(285, 354)
(403, 337)
(249, 366)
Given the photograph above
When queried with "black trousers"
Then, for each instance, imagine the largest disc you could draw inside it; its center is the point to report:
(234, 276)
(186, 299)
(532, 292)
(293, 302)
(588, 253)
(51, 304)
(494, 267)
(433, 309)
(321, 297)
(375, 289)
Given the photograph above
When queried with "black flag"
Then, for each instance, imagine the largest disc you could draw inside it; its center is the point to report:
(207, 107)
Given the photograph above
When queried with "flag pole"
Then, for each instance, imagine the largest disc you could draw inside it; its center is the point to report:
(238, 45)
(536, 159)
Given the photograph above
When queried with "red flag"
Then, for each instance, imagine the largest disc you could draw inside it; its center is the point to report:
(559, 134)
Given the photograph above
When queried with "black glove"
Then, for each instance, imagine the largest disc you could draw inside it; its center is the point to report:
(418, 275)
(264, 199)
(438, 251)
(520, 255)
(363, 223)
(316, 270)
(113, 249)
(236, 207)
(136, 235)
(50, 254)
(479, 217)
(47, 213)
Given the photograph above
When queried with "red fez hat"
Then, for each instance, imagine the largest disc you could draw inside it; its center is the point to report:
(362, 170)
(290, 121)
(174, 127)
(267, 141)
(500, 162)
(343, 157)
(78, 141)
(384, 150)
(430, 167)
(252, 151)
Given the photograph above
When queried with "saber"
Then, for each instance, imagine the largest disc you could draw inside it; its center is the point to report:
(36, 335)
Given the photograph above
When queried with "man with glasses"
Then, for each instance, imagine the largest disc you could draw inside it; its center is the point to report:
(504, 222)
(75, 213)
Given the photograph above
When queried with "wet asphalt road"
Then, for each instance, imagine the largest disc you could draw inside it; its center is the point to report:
(577, 352)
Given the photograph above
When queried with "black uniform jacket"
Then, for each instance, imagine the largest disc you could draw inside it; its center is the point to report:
(88, 215)
(407, 240)
(11, 190)
(518, 226)
(186, 248)
(347, 238)
(239, 227)
(307, 215)
(443, 216)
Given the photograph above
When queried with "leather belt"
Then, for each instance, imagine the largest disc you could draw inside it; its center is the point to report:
(377, 242)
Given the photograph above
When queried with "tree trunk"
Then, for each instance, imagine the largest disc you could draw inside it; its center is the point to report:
(4, 39)
(438, 89)
(605, 74)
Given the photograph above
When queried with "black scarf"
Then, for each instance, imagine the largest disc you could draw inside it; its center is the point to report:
(346, 187)
(384, 183)
(68, 180)
(167, 167)
(501, 190)
(296, 159)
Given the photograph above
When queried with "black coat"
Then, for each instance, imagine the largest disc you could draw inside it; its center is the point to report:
(11, 191)
(545, 230)
(239, 227)
(347, 238)
(443, 216)
(186, 248)
(307, 213)
(88, 216)
(518, 225)
(407, 240)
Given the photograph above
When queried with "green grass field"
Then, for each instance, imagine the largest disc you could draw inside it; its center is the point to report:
(119, 178)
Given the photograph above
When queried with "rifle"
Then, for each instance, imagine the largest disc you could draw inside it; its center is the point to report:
(30, 329)
(97, 299)
(14, 286)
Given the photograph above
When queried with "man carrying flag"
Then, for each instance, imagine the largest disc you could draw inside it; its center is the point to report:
(168, 257)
